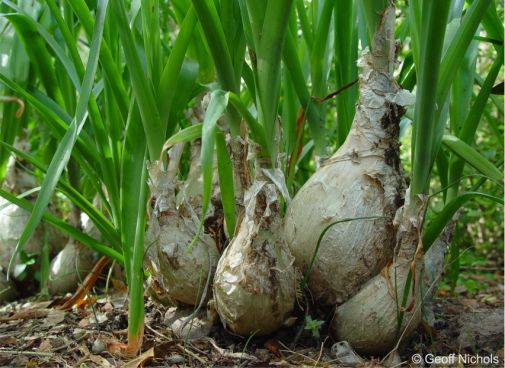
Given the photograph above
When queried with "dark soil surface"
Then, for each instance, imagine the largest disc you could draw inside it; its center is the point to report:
(38, 334)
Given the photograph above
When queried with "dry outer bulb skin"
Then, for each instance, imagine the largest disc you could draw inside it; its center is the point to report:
(254, 285)
(363, 178)
(369, 320)
(181, 273)
(375, 320)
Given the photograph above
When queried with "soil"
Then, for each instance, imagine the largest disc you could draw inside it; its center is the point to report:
(35, 333)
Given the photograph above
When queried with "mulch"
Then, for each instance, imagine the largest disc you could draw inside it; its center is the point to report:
(34, 333)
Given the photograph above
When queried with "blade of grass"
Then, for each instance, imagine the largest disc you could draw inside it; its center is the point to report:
(231, 20)
(317, 57)
(493, 24)
(290, 107)
(24, 22)
(150, 11)
(256, 16)
(57, 119)
(214, 33)
(461, 89)
(304, 24)
(11, 122)
(321, 236)
(442, 163)
(44, 264)
(187, 89)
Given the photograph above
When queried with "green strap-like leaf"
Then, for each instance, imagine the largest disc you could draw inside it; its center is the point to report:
(102, 223)
(25, 21)
(291, 61)
(474, 158)
(36, 49)
(257, 131)
(185, 135)
(437, 224)
(454, 55)
(269, 52)
(469, 126)
(133, 208)
(66, 228)
(431, 39)
(217, 106)
(174, 63)
(214, 33)
(64, 150)
(142, 89)
(111, 67)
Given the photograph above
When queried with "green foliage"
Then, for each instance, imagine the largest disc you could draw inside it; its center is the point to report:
(313, 325)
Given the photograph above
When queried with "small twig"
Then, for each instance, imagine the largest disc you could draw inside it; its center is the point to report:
(401, 364)
(320, 352)
(333, 94)
(70, 343)
(288, 350)
(223, 352)
(196, 349)
(159, 334)
(189, 352)
(36, 313)
(34, 353)
(300, 330)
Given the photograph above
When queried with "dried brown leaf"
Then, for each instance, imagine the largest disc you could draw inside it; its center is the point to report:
(29, 314)
(101, 361)
(84, 322)
(140, 360)
(54, 317)
(274, 347)
(45, 346)
(7, 340)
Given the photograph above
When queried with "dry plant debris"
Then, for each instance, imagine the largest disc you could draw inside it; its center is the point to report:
(36, 334)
